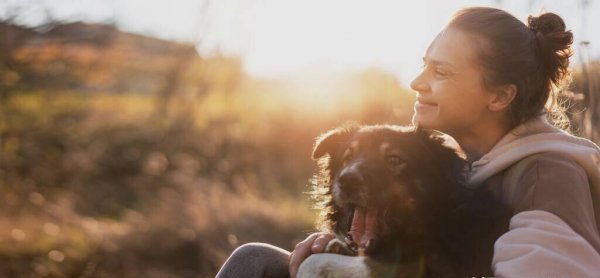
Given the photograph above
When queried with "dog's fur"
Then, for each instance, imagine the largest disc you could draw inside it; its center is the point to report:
(431, 224)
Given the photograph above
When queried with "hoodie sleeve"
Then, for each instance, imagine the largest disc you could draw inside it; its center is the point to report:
(539, 244)
(553, 232)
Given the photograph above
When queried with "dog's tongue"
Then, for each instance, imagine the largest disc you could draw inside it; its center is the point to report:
(364, 226)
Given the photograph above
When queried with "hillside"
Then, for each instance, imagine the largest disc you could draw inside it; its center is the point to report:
(129, 156)
(87, 57)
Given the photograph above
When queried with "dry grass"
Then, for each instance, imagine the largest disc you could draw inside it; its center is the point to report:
(118, 186)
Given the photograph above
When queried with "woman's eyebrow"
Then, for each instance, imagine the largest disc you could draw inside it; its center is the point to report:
(438, 62)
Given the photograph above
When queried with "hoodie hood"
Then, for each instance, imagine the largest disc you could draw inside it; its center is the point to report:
(533, 137)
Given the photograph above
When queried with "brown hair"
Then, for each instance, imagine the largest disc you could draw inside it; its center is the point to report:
(534, 57)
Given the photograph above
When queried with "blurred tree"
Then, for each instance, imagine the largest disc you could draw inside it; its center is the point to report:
(136, 152)
(586, 101)
(13, 37)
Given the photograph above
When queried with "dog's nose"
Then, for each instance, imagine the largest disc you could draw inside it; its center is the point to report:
(350, 179)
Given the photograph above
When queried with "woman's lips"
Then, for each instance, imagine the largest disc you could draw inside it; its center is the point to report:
(420, 104)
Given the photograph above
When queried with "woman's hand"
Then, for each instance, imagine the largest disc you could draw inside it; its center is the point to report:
(314, 243)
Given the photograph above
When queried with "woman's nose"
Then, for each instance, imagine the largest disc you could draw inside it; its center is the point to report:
(419, 84)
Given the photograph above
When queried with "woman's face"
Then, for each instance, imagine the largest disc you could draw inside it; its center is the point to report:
(450, 94)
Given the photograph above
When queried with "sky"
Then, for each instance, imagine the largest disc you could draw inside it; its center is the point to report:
(280, 37)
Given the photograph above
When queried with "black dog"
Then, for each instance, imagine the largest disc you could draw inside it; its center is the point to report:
(395, 195)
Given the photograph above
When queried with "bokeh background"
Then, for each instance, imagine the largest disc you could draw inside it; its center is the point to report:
(150, 138)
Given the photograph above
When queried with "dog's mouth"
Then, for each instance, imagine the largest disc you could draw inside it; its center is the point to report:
(364, 228)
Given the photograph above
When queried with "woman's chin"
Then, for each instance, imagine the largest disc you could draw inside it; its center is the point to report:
(422, 122)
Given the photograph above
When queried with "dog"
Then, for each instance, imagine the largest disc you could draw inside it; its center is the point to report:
(396, 196)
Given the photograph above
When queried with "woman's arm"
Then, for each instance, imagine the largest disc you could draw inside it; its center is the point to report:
(553, 231)
(539, 244)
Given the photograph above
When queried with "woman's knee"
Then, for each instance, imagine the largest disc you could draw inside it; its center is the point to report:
(256, 249)
(256, 260)
(246, 250)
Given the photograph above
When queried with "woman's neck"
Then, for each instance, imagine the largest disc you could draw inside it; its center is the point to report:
(477, 142)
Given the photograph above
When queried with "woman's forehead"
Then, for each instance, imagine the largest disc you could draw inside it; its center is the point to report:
(451, 47)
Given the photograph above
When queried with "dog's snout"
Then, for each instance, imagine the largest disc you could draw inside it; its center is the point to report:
(350, 179)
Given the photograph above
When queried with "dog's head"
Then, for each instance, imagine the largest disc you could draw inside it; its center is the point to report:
(399, 177)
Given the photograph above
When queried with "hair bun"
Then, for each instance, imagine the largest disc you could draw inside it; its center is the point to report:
(546, 23)
(554, 42)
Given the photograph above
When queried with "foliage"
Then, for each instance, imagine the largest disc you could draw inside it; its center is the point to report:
(137, 158)
(584, 101)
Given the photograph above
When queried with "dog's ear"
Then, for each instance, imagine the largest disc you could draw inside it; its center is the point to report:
(431, 135)
(327, 143)
(446, 150)
(440, 139)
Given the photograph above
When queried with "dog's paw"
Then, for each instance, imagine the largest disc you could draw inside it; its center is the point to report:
(339, 247)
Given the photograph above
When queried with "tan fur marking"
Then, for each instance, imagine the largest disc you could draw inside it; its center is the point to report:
(384, 148)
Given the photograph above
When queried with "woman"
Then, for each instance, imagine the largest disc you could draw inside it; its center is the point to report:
(487, 80)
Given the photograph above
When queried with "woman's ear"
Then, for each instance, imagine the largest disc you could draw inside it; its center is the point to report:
(503, 96)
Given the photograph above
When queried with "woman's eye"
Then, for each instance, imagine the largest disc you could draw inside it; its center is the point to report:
(440, 73)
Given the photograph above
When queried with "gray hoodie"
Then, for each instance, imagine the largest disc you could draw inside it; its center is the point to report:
(551, 180)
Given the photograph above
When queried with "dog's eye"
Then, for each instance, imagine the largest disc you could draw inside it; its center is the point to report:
(394, 160)
(348, 156)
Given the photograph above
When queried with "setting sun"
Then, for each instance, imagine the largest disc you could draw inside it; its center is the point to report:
(288, 36)
(280, 37)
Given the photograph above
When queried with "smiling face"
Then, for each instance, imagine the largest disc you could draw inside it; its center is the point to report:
(451, 96)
